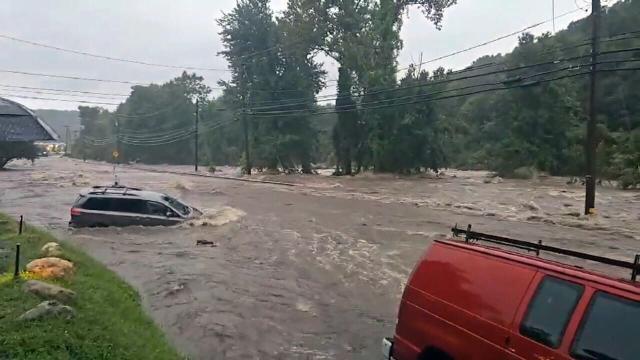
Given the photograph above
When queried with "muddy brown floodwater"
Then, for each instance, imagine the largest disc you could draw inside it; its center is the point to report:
(313, 271)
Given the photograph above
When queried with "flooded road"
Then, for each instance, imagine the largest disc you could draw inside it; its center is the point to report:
(313, 271)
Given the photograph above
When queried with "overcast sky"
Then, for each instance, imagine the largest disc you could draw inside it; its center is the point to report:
(185, 33)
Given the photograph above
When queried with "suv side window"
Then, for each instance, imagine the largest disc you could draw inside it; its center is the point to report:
(157, 209)
(550, 311)
(129, 205)
(608, 330)
(96, 203)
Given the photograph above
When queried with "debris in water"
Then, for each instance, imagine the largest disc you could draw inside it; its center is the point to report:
(206, 243)
(531, 206)
(180, 185)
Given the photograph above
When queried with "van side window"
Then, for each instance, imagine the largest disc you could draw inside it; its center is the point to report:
(550, 311)
(608, 330)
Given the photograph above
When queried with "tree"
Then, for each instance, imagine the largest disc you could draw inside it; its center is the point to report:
(364, 38)
(268, 57)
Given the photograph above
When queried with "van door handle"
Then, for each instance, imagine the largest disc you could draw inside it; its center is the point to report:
(507, 344)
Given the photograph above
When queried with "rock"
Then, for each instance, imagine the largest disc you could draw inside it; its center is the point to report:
(48, 291)
(51, 268)
(47, 309)
(51, 249)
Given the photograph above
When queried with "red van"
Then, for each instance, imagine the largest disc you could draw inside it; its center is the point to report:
(470, 301)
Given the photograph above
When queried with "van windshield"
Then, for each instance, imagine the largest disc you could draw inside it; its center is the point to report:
(180, 207)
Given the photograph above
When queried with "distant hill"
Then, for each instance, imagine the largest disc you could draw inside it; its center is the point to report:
(60, 119)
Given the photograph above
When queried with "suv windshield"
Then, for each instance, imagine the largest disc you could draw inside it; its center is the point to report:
(180, 207)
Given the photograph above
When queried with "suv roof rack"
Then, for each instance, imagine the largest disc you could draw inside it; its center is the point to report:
(471, 236)
(116, 188)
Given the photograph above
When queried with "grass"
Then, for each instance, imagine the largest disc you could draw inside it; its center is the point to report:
(109, 324)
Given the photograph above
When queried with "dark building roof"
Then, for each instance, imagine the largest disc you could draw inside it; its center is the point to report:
(18, 123)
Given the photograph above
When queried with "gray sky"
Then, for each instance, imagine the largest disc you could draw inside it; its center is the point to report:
(185, 33)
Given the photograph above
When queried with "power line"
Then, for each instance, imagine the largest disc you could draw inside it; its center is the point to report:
(422, 100)
(469, 77)
(61, 90)
(58, 94)
(54, 99)
(70, 77)
(518, 32)
(178, 138)
(158, 112)
(106, 57)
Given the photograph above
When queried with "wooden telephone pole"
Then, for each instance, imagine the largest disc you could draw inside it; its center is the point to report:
(197, 119)
(592, 143)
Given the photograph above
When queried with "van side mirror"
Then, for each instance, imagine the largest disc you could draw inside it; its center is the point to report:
(170, 214)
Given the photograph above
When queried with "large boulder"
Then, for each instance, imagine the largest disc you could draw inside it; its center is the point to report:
(48, 309)
(51, 268)
(48, 291)
(51, 249)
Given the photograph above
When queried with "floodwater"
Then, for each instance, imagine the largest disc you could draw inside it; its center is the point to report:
(312, 271)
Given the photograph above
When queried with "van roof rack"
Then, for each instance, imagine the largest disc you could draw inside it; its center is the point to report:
(471, 236)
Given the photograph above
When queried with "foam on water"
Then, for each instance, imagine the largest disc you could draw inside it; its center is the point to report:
(216, 217)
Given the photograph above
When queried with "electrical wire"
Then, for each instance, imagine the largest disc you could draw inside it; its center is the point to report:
(58, 94)
(54, 99)
(518, 32)
(180, 138)
(474, 76)
(106, 57)
(532, 83)
(62, 90)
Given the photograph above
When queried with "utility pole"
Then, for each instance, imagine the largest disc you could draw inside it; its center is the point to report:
(592, 144)
(195, 162)
(116, 153)
(245, 122)
(247, 155)
(67, 138)
(553, 15)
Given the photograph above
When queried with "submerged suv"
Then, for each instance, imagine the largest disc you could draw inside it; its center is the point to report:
(119, 205)
(470, 301)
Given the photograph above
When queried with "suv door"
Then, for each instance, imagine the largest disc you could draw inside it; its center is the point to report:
(540, 333)
(96, 212)
(156, 215)
(127, 212)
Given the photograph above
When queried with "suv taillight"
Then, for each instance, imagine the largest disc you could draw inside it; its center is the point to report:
(75, 212)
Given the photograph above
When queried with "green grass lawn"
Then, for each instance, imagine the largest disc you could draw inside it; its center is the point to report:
(109, 323)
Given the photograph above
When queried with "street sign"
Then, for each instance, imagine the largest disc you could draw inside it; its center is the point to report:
(115, 154)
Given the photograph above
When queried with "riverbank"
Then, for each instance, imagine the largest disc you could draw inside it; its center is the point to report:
(109, 322)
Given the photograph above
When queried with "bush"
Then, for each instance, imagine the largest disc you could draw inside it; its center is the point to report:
(16, 150)
(525, 173)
